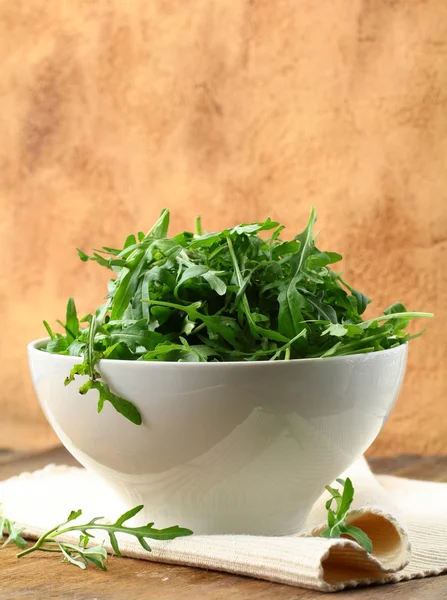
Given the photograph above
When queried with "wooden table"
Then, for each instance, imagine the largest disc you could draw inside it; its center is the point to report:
(41, 576)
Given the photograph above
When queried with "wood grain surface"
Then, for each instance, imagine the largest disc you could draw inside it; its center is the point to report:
(36, 577)
(235, 110)
(42, 577)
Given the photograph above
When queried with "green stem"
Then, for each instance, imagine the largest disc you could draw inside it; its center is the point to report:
(40, 541)
(90, 346)
(184, 308)
(252, 325)
(401, 315)
(286, 347)
(306, 243)
(198, 226)
(203, 325)
(48, 537)
(362, 341)
(156, 224)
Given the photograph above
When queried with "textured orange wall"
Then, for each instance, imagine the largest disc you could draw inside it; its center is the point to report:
(236, 110)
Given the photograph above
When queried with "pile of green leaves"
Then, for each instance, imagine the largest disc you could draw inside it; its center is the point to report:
(241, 294)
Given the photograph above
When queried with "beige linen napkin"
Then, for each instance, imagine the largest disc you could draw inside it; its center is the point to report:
(406, 520)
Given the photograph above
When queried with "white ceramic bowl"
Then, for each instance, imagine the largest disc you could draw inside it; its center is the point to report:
(224, 447)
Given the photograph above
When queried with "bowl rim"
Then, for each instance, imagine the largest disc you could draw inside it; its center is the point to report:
(360, 357)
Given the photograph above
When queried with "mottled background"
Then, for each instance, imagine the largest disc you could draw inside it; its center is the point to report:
(234, 110)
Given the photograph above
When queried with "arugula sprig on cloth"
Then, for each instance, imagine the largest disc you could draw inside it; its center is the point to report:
(241, 294)
(81, 554)
(337, 525)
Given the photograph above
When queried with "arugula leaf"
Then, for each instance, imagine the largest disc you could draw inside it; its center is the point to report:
(203, 271)
(72, 321)
(83, 256)
(397, 307)
(58, 344)
(74, 514)
(336, 330)
(130, 241)
(242, 293)
(124, 407)
(126, 290)
(49, 330)
(215, 282)
(76, 348)
(135, 335)
(291, 303)
(337, 525)
(80, 555)
(12, 532)
(162, 225)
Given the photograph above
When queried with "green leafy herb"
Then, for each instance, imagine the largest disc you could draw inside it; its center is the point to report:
(80, 554)
(337, 526)
(72, 322)
(241, 294)
(87, 367)
(12, 532)
(124, 407)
